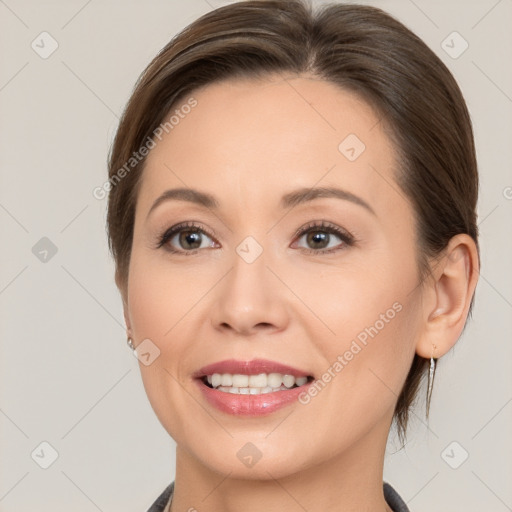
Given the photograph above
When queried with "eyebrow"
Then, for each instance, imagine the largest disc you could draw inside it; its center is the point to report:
(289, 200)
(308, 194)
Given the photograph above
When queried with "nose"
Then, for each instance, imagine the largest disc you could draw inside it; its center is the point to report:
(250, 300)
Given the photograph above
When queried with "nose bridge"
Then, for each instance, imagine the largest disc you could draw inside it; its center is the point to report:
(249, 295)
(248, 288)
(249, 274)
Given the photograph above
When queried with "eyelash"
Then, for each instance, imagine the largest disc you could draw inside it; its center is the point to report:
(322, 226)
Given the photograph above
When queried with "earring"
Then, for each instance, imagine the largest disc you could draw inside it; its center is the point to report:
(130, 343)
(431, 373)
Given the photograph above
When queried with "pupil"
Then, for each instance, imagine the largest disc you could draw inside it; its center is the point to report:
(187, 235)
(319, 236)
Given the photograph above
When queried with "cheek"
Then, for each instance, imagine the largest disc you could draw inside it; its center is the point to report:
(158, 297)
(376, 379)
(374, 316)
(158, 303)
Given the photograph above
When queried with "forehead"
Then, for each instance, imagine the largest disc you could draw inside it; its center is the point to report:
(252, 140)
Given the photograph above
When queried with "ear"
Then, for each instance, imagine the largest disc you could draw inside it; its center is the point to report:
(123, 289)
(448, 297)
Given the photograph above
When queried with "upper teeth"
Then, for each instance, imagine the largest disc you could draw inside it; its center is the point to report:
(262, 380)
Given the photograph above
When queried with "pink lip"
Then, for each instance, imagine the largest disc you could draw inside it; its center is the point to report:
(253, 367)
(250, 405)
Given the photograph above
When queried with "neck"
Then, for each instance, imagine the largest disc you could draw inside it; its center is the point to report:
(349, 481)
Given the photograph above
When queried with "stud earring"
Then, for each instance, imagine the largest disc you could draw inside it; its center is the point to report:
(130, 343)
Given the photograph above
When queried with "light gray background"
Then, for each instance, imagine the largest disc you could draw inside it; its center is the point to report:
(67, 376)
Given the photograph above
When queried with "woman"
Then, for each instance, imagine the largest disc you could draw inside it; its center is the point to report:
(292, 214)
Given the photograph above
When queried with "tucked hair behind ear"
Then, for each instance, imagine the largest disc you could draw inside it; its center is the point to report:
(361, 49)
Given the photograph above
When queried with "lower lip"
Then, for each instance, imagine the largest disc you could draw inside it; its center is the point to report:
(250, 405)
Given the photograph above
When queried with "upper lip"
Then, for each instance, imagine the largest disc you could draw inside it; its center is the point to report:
(253, 367)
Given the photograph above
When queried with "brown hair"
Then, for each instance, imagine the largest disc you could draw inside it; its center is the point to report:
(361, 49)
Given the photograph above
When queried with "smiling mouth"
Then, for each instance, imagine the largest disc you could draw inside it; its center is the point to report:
(254, 384)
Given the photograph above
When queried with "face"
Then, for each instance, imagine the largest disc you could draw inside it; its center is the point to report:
(324, 284)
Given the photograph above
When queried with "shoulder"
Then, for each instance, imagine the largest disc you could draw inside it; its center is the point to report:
(394, 500)
(162, 500)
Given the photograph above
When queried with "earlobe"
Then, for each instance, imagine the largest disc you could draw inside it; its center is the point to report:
(454, 279)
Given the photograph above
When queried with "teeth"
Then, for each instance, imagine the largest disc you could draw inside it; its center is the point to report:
(254, 384)
(301, 381)
(274, 380)
(258, 381)
(240, 381)
(226, 379)
(216, 380)
(288, 380)
(250, 391)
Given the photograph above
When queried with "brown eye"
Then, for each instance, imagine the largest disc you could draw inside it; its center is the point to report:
(318, 239)
(185, 238)
(321, 238)
(189, 239)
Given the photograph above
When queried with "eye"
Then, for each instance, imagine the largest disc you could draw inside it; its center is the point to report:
(319, 236)
(188, 236)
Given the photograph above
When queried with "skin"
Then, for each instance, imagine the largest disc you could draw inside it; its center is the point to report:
(248, 142)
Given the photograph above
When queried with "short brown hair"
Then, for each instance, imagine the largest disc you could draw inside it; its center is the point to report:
(360, 48)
